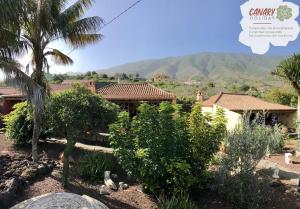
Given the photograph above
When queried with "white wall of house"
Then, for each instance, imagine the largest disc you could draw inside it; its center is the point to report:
(233, 118)
(207, 110)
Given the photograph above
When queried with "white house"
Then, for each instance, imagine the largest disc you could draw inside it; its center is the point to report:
(235, 105)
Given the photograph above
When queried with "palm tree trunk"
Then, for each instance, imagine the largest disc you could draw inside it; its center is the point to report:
(36, 134)
(37, 114)
(68, 150)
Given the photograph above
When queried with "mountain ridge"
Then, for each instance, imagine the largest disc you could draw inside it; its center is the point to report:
(219, 67)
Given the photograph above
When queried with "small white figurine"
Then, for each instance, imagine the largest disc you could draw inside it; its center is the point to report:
(108, 182)
(276, 172)
(287, 158)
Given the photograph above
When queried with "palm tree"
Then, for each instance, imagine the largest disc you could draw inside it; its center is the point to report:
(40, 23)
(289, 70)
(11, 14)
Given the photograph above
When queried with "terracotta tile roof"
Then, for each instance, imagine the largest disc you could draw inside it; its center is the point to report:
(9, 91)
(140, 91)
(14, 92)
(60, 87)
(76, 81)
(243, 102)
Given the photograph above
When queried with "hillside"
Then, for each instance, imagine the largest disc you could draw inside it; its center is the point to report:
(218, 67)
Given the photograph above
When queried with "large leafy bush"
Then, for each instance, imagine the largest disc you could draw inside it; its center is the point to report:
(164, 148)
(246, 145)
(18, 124)
(75, 112)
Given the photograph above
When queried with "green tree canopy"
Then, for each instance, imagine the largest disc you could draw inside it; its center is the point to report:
(75, 112)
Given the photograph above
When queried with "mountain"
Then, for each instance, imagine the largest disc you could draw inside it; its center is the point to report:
(217, 67)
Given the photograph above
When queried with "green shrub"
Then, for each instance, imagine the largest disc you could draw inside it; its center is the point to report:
(19, 124)
(93, 165)
(245, 147)
(180, 201)
(164, 148)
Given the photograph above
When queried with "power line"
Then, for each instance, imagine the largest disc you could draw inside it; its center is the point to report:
(110, 22)
(118, 16)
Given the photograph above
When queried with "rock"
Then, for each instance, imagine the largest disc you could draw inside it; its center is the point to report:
(104, 190)
(276, 183)
(29, 173)
(108, 182)
(61, 158)
(42, 169)
(12, 185)
(8, 173)
(123, 186)
(114, 176)
(140, 188)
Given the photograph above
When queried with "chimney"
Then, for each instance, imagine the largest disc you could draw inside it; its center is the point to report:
(91, 86)
(200, 97)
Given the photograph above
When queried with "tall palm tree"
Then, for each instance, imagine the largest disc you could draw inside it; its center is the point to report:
(11, 16)
(42, 22)
(289, 70)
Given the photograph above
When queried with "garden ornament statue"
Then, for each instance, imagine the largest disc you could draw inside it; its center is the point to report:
(287, 158)
(276, 172)
(108, 182)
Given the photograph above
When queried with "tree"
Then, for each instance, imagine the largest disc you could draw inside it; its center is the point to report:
(12, 16)
(59, 78)
(76, 112)
(282, 96)
(41, 23)
(289, 70)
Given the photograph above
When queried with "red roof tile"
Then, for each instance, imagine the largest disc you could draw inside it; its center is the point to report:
(76, 81)
(60, 87)
(140, 91)
(243, 102)
(9, 91)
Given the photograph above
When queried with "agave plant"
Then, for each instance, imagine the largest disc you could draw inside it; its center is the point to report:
(30, 26)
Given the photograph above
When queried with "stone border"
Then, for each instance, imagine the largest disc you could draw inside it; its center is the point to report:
(61, 200)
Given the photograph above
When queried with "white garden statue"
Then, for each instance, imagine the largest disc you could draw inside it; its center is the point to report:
(276, 172)
(108, 182)
(287, 158)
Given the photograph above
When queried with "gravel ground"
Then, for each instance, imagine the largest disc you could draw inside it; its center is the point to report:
(126, 199)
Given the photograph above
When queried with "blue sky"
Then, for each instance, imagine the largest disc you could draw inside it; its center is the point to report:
(163, 28)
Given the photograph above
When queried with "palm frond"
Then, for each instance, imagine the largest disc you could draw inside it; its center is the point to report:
(76, 10)
(59, 57)
(289, 70)
(18, 79)
(81, 40)
(85, 25)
